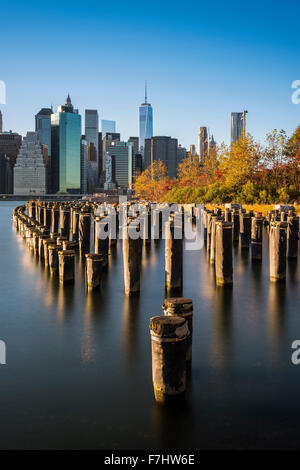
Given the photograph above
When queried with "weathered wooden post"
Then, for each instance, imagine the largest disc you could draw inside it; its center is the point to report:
(182, 307)
(84, 232)
(47, 217)
(146, 235)
(292, 237)
(169, 336)
(132, 256)
(93, 270)
(173, 256)
(223, 266)
(54, 219)
(69, 245)
(64, 222)
(46, 243)
(245, 230)
(227, 214)
(66, 261)
(213, 239)
(53, 258)
(75, 225)
(60, 241)
(209, 228)
(41, 214)
(41, 245)
(256, 237)
(102, 238)
(35, 241)
(277, 250)
(236, 226)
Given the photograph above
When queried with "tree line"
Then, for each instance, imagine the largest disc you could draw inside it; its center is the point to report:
(245, 172)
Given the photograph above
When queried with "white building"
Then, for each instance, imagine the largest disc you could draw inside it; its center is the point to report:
(30, 168)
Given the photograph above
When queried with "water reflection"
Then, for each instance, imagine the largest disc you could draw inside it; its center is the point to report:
(222, 341)
(65, 301)
(277, 312)
(130, 325)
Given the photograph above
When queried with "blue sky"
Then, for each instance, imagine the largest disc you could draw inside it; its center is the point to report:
(202, 60)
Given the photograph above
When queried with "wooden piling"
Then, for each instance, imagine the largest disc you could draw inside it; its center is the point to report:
(169, 344)
(224, 270)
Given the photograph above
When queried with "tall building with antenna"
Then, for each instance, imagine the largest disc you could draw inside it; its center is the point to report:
(145, 121)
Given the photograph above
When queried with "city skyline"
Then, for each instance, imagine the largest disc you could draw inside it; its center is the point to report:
(200, 67)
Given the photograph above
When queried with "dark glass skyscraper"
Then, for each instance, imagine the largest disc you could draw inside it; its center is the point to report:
(43, 127)
(65, 149)
(146, 122)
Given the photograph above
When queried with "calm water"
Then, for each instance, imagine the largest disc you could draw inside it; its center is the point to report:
(78, 371)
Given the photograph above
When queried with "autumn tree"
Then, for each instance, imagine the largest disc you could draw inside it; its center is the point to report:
(189, 172)
(274, 155)
(152, 183)
(292, 151)
(241, 162)
(211, 163)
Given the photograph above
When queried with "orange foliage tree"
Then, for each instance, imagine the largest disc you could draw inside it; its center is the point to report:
(153, 182)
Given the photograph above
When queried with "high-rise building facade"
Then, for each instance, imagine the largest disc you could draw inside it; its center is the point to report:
(65, 149)
(135, 143)
(107, 140)
(43, 127)
(202, 142)
(181, 154)
(122, 153)
(192, 150)
(92, 128)
(236, 126)
(145, 122)
(30, 172)
(10, 143)
(162, 148)
(1, 122)
(108, 127)
(83, 165)
(110, 172)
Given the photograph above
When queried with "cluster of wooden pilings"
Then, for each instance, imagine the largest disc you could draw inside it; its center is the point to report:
(56, 231)
(223, 228)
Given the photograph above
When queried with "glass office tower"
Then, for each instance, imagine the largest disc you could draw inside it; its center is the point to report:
(108, 127)
(236, 126)
(146, 122)
(43, 127)
(65, 148)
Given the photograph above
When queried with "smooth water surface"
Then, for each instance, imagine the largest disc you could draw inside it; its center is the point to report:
(78, 372)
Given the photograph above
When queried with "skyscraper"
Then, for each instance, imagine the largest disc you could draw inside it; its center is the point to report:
(91, 136)
(65, 149)
(92, 128)
(181, 154)
(238, 125)
(122, 153)
(192, 150)
(43, 127)
(107, 140)
(164, 149)
(202, 142)
(1, 122)
(146, 122)
(30, 169)
(83, 165)
(10, 143)
(108, 127)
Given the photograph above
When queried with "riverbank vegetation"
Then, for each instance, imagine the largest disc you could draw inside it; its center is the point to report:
(246, 172)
